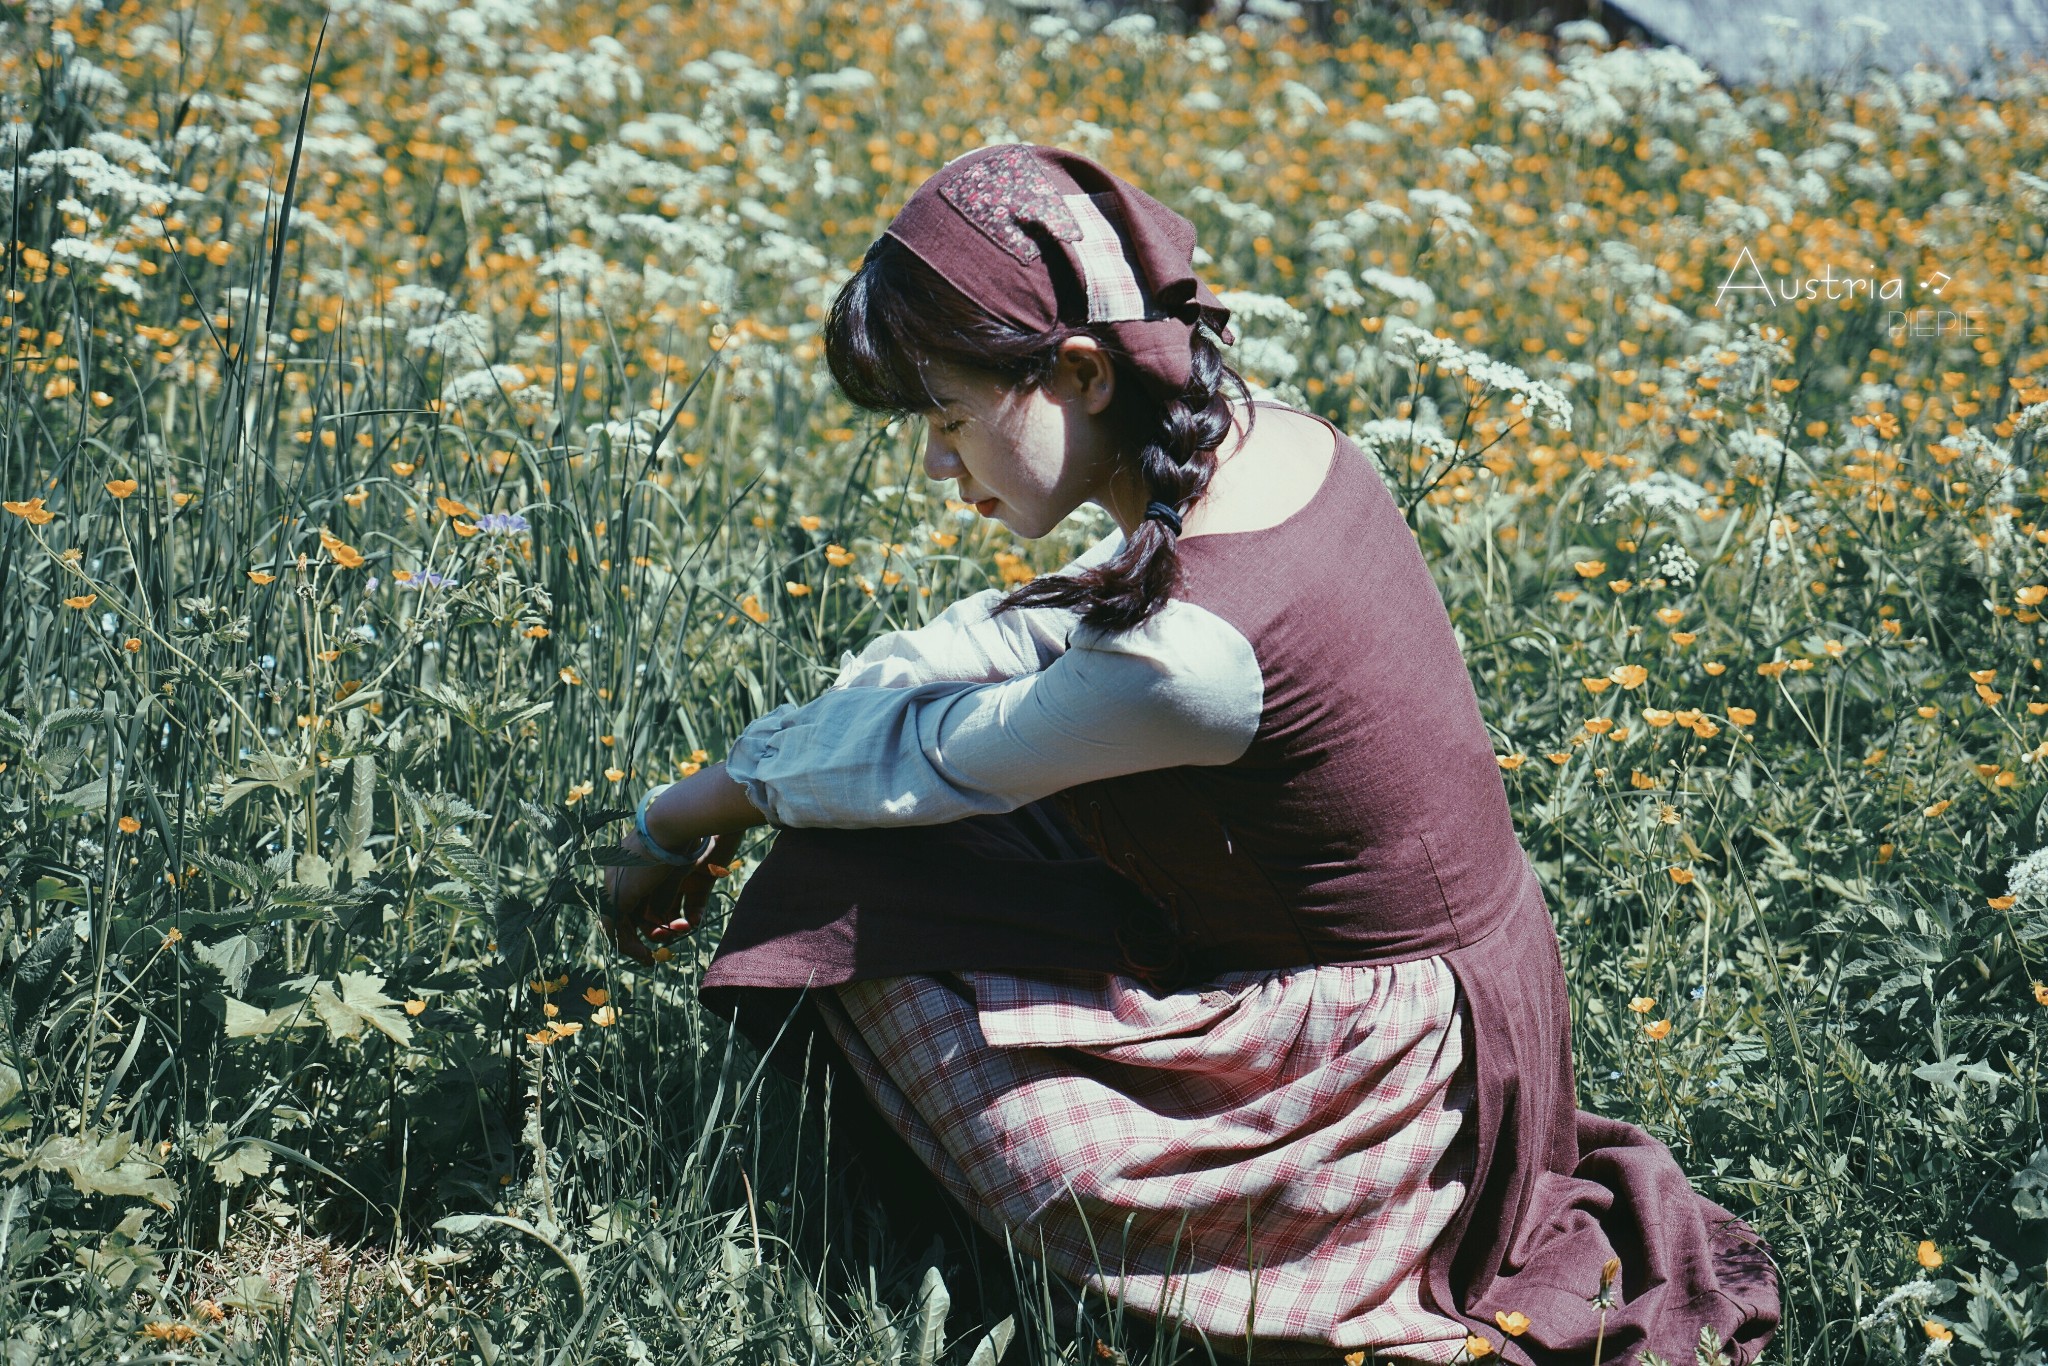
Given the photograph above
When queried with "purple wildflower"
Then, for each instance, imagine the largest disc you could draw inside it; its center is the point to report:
(501, 523)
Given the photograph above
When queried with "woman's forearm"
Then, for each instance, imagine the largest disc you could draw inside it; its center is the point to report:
(708, 802)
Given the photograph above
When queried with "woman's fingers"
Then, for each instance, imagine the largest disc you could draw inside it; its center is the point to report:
(651, 905)
(697, 889)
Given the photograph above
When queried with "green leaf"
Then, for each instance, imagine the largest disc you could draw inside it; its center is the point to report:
(245, 1021)
(243, 1161)
(90, 797)
(358, 815)
(232, 958)
(2030, 1188)
(360, 1001)
(1952, 1071)
(286, 772)
(102, 1164)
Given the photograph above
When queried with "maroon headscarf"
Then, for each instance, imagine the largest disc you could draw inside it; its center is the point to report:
(1122, 259)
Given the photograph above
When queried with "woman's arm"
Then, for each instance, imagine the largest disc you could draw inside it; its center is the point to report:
(964, 644)
(1184, 688)
(705, 803)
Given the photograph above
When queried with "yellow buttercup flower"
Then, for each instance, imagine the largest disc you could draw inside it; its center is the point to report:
(1643, 1005)
(1513, 1322)
(345, 555)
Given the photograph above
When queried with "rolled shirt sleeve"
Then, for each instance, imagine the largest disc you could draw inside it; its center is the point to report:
(966, 644)
(1184, 688)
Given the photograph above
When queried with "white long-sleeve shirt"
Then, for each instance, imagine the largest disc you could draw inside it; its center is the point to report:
(968, 715)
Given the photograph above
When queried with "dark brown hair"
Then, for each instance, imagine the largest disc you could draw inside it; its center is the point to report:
(897, 313)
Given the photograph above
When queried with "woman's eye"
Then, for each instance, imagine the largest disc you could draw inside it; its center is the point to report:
(950, 427)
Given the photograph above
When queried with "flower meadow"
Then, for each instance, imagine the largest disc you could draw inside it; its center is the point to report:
(417, 443)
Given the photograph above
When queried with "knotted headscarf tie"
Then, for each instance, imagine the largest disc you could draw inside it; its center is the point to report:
(1039, 236)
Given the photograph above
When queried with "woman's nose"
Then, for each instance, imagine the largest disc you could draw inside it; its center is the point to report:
(940, 462)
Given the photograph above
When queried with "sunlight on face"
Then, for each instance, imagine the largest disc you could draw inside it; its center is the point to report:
(1028, 456)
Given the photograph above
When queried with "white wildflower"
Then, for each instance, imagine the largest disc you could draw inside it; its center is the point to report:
(1676, 564)
(1415, 109)
(1659, 492)
(848, 80)
(459, 336)
(487, 382)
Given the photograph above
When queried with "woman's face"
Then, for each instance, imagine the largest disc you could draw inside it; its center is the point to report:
(1031, 456)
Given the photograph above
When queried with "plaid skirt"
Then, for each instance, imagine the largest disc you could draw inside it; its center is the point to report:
(1264, 1161)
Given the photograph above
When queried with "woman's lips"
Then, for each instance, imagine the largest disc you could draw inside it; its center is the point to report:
(985, 506)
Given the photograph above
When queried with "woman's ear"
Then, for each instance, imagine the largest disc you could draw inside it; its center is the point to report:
(1085, 374)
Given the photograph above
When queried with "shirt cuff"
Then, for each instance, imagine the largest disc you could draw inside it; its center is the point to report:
(753, 760)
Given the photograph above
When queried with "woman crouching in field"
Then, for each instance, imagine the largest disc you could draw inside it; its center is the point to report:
(1169, 906)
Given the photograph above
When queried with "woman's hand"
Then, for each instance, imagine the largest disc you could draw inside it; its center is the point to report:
(652, 903)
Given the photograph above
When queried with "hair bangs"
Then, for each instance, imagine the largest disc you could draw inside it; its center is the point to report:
(877, 338)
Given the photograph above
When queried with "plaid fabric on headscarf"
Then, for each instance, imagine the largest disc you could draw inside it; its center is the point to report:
(1039, 236)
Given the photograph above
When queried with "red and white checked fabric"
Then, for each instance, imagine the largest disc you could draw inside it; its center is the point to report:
(1318, 1110)
(1114, 294)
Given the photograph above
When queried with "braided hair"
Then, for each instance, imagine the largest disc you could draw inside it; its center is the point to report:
(897, 313)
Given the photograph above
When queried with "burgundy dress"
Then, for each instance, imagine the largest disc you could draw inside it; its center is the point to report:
(1366, 824)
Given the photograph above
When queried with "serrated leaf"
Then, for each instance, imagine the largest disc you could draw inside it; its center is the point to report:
(90, 797)
(313, 870)
(358, 814)
(245, 1021)
(287, 772)
(357, 999)
(243, 1161)
(102, 1164)
(232, 958)
(36, 976)
(2030, 1188)
(1952, 1071)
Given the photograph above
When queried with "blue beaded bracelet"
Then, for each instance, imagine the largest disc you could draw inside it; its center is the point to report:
(654, 845)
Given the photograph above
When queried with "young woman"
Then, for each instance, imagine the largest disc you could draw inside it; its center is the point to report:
(1169, 906)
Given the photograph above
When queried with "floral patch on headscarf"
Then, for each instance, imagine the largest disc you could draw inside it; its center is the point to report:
(1001, 193)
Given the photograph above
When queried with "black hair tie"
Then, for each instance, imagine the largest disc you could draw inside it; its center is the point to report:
(1165, 513)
